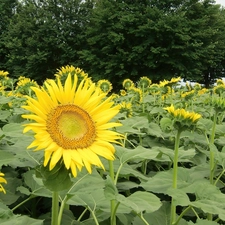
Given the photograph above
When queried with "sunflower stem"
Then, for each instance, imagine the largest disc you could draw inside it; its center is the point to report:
(26, 200)
(93, 215)
(212, 156)
(62, 207)
(212, 160)
(112, 202)
(175, 171)
(140, 215)
(55, 208)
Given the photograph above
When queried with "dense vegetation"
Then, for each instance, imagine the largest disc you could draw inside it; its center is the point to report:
(114, 39)
(169, 168)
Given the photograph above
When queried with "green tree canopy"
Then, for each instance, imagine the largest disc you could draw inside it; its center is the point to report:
(7, 9)
(114, 39)
(158, 39)
(45, 35)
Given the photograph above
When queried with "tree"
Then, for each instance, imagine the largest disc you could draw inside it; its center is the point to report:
(45, 35)
(7, 9)
(158, 39)
(207, 32)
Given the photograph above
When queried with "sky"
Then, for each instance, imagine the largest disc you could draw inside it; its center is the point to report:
(221, 2)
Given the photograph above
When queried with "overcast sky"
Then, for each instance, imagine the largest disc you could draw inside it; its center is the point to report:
(221, 2)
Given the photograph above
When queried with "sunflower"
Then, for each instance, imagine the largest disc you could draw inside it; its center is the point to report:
(218, 104)
(220, 82)
(127, 84)
(197, 86)
(144, 83)
(188, 86)
(219, 89)
(126, 108)
(188, 95)
(104, 85)
(137, 95)
(164, 83)
(23, 86)
(72, 124)
(154, 89)
(3, 74)
(63, 72)
(174, 80)
(123, 92)
(183, 119)
(2, 180)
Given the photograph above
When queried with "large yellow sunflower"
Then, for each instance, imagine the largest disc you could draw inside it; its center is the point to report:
(72, 124)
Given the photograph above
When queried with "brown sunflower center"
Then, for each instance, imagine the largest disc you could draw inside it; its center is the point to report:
(71, 127)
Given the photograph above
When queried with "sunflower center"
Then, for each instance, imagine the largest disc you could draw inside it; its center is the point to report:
(71, 127)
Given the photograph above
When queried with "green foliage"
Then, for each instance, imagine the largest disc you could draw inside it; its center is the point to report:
(7, 8)
(158, 40)
(138, 186)
(44, 35)
(113, 39)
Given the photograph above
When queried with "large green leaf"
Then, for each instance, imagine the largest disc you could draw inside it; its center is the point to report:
(13, 182)
(24, 157)
(139, 153)
(167, 154)
(110, 189)
(154, 130)
(5, 99)
(36, 186)
(159, 217)
(140, 201)
(88, 199)
(210, 206)
(22, 220)
(179, 196)
(128, 171)
(57, 179)
(13, 130)
(4, 114)
(5, 157)
(203, 222)
(5, 212)
(86, 183)
(166, 124)
(162, 181)
(210, 200)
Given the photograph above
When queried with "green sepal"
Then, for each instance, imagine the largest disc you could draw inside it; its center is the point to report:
(57, 179)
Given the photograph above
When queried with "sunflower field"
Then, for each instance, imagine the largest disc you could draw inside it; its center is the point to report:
(72, 152)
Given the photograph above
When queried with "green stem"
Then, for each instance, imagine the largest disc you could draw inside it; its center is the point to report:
(21, 203)
(117, 173)
(143, 104)
(144, 166)
(93, 215)
(212, 160)
(182, 214)
(114, 213)
(212, 156)
(55, 207)
(196, 214)
(218, 178)
(82, 214)
(61, 210)
(140, 215)
(175, 171)
(112, 202)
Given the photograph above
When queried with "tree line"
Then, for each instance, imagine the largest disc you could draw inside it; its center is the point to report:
(114, 39)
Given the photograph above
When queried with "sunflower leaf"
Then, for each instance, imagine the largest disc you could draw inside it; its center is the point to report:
(57, 179)
(141, 201)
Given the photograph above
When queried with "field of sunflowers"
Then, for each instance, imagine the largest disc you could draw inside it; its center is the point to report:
(74, 153)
